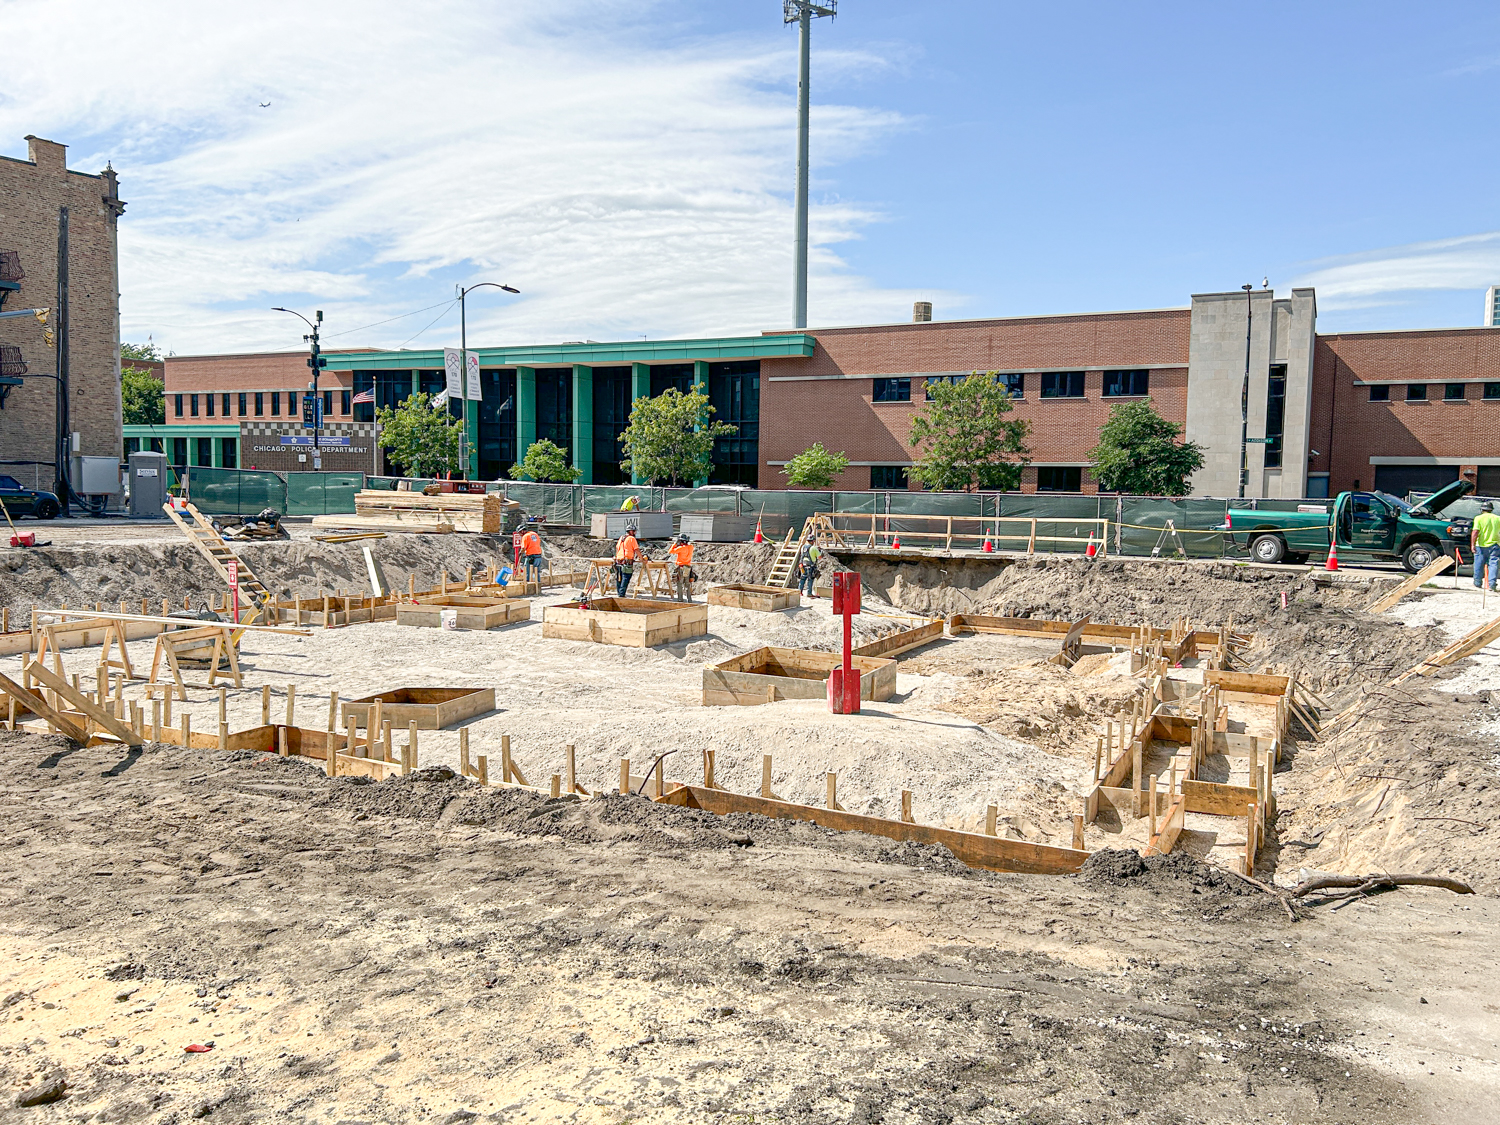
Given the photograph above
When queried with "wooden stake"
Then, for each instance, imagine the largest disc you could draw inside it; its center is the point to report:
(505, 766)
(291, 703)
(660, 773)
(571, 770)
(765, 775)
(463, 752)
(333, 757)
(166, 711)
(388, 749)
(411, 743)
(833, 789)
(557, 777)
(484, 769)
(1098, 755)
(156, 720)
(333, 710)
(624, 776)
(906, 816)
(187, 730)
(265, 705)
(708, 770)
(281, 741)
(372, 722)
(1152, 803)
(223, 706)
(991, 815)
(1078, 831)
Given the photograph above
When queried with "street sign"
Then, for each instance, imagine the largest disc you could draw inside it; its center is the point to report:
(312, 413)
(476, 390)
(453, 368)
(1259, 440)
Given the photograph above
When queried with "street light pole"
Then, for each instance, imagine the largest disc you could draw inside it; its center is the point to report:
(1245, 399)
(463, 350)
(802, 13)
(317, 363)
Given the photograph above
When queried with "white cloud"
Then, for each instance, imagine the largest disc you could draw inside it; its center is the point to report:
(1374, 278)
(624, 186)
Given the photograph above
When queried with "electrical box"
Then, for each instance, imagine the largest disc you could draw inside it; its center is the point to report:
(95, 476)
(147, 481)
(845, 592)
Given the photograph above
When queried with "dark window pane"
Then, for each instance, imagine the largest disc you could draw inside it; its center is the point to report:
(177, 405)
(888, 476)
(180, 452)
(1380, 394)
(497, 423)
(1067, 478)
(1416, 392)
(1014, 383)
(208, 405)
(227, 452)
(1126, 383)
(1062, 384)
(676, 376)
(1453, 392)
(554, 407)
(1492, 390)
(344, 397)
(892, 390)
(242, 404)
(205, 452)
(612, 390)
(260, 403)
(734, 393)
(226, 406)
(1275, 414)
(275, 404)
(193, 405)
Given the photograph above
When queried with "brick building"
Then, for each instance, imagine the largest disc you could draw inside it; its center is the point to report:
(33, 194)
(1390, 410)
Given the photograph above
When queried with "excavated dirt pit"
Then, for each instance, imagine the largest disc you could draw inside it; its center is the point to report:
(422, 949)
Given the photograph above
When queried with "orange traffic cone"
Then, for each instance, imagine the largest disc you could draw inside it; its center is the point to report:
(1333, 556)
(759, 538)
(1092, 549)
(988, 546)
(896, 543)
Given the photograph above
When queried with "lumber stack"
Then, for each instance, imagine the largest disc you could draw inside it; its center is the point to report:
(381, 510)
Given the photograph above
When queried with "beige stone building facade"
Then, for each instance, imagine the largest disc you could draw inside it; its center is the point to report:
(33, 193)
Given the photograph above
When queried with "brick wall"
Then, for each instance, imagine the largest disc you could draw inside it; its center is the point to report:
(31, 193)
(231, 374)
(1347, 428)
(841, 413)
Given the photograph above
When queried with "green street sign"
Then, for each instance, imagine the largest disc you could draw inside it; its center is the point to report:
(1258, 441)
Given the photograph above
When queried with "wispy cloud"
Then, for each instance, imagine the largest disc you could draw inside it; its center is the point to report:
(626, 188)
(1375, 278)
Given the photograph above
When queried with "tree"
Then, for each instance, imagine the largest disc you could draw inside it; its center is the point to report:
(814, 467)
(422, 440)
(142, 394)
(963, 438)
(545, 461)
(671, 437)
(146, 352)
(1139, 453)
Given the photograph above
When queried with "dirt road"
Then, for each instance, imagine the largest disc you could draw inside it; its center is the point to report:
(422, 950)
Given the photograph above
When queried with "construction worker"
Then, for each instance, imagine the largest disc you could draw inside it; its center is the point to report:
(531, 551)
(632, 503)
(682, 575)
(1484, 541)
(807, 568)
(627, 551)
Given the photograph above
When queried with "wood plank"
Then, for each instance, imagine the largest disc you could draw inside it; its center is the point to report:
(1243, 745)
(37, 705)
(992, 853)
(1247, 683)
(1168, 830)
(902, 641)
(121, 730)
(1218, 799)
(1421, 578)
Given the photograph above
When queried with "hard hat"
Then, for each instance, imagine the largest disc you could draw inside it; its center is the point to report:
(1487, 506)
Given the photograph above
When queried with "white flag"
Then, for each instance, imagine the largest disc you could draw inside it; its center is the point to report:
(439, 400)
(476, 392)
(453, 364)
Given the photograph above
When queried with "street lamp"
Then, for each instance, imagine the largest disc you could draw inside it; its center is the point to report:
(802, 13)
(463, 347)
(1245, 399)
(317, 363)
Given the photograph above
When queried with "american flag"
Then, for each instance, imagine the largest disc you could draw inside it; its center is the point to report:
(365, 396)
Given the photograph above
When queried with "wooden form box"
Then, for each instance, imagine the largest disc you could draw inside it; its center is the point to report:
(764, 599)
(432, 708)
(904, 640)
(631, 622)
(765, 675)
(473, 613)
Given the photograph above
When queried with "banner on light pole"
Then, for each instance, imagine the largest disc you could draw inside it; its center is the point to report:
(476, 391)
(453, 366)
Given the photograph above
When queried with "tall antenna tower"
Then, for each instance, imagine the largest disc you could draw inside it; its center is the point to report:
(802, 13)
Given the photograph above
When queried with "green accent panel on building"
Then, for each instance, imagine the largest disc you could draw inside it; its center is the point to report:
(471, 428)
(525, 410)
(789, 345)
(215, 430)
(583, 421)
(640, 387)
(700, 384)
(416, 381)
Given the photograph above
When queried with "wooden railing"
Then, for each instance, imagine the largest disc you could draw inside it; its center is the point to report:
(852, 530)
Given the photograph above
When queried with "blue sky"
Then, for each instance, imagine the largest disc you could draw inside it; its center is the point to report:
(628, 166)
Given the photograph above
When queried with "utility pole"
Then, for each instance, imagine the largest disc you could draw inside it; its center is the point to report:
(802, 13)
(1245, 398)
(463, 350)
(315, 361)
(61, 484)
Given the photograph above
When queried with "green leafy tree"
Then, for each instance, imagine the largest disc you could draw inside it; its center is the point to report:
(964, 439)
(814, 467)
(545, 461)
(670, 438)
(423, 441)
(1139, 453)
(143, 395)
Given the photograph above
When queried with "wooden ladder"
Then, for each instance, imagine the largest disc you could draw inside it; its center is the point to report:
(217, 552)
(784, 566)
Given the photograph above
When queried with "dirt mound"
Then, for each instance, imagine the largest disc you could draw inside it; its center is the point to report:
(714, 562)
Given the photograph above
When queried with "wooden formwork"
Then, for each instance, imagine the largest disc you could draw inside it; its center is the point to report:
(472, 613)
(902, 640)
(764, 599)
(431, 708)
(764, 675)
(631, 622)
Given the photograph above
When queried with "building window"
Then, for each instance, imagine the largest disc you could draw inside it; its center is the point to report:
(888, 476)
(227, 455)
(933, 380)
(1275, 414)
(179, 454)
(1059, 478)
(275, 404)
(672, 376)
(1014, 383)
(205, 453)
(344, 397)
(132, 445)
(1123, 384)
(193, 405)
(242, 404)
(260, 403)
(892, 390)
(364, 383)
(1062, 384)
(226, 406)
(208, 405)
(291, 404)
(497, 423)
(734, 392)
(327, 403)
(1380, 394)
(1416, 392)
(554, 406)
(177, 405)
(612, 402)
(1453, 392)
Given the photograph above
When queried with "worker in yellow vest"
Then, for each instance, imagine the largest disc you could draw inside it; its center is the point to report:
(682, 574)
(1484, 541)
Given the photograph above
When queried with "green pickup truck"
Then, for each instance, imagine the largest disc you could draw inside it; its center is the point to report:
(1370, 525)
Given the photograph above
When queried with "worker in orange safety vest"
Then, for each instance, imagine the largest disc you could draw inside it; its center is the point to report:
(531, 551)
(682, 574)
(627, 551)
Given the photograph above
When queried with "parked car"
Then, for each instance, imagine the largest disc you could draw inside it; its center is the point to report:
(20, 501)
(1370, 525)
